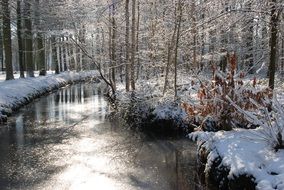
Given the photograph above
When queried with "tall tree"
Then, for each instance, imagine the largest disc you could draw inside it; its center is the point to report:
(178, 23)
(133, 45)
(54, 54)
(7, 39)
(274, 30)
(40, 51)
(28, 38)
(112, 44)
(20, 39)
(127, 81)
(1, 47)
(137, 39)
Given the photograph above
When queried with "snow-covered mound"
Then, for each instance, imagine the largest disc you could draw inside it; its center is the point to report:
(16, 93)
(245, 152)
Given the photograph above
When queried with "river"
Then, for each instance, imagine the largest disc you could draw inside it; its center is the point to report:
(65, 141)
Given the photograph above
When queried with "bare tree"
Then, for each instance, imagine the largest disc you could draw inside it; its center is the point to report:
(133, 45)
(28, 37)
(275, 13)
(20, 39)
(7, 39)
(127, 81)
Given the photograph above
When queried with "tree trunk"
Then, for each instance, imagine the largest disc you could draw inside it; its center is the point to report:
(249, 60)
(20, 39)
(58, 55)
(1, 48)
(194, 33)
(54, 54)
(169, 55)
(178, 22)
(113, 48)
(133, 48)
(272, 63)
(167, 68)
(137, 39)
(127, 81)
(7, 39)
(62, 54)
(40, 51)
(28, 39)
(75, 58)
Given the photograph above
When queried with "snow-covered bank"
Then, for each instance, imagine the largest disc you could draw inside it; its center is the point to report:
(147, 109)
(15, 93)
(242, 152)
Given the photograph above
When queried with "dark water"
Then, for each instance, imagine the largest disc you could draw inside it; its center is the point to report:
(64, 141)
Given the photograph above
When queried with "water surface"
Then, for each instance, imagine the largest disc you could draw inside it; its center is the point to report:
(64, 141)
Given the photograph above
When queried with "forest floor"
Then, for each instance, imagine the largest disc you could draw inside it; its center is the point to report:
(16, 93)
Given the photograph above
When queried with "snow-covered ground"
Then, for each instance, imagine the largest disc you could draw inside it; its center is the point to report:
(15, 93)
(17, 75)
(244, 152)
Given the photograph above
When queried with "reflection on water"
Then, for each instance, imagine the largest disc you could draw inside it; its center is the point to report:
(63, 141)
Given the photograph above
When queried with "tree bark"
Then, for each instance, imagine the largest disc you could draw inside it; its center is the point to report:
(40, 50)
(127, 81)
(58, 66)
(169, 55)
(7, 40)
(28, 39)
(20, 39)
(137, 39)
(113, 48)
(1, 48)
(133, 45)
(178, 22)
(274, 26)
(54, 55)
(194, 32)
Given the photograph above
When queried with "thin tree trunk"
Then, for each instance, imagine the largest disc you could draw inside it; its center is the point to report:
(194, 33)
(75, 58)
(127, 81)
(1, 48)
(167, 68)
(282, 58)
(40, 51)
(177, 43)
(65, 50)
(80, 60)
(7, 40)
(58, 56)
(28, 39)
(113, 48)
(103, 64)
(169, 56)
(62, 53)
(137, 39)
(109, 46)
(274, 26)
(20, 39)
(54, 54)
(133, 48)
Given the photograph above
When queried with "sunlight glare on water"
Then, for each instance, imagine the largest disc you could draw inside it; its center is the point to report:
(64, 141)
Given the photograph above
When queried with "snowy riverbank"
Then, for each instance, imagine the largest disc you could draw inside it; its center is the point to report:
(236, 159)
(16, 93)
(232, 155)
